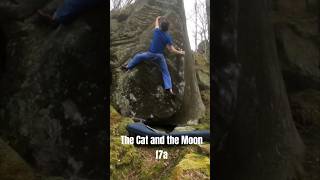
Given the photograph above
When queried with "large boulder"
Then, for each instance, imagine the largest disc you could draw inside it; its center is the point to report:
(19, 9)
(203, 47)
(52, 91)
(140, 92)
(297, 35)
(299, 54)
(202, 71)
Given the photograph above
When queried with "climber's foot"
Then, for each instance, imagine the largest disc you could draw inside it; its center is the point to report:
(47, 18)
(124, 68)
(170, 92)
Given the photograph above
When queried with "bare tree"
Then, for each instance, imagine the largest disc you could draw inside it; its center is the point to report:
(115, 4)
(201, 25)
(193, 107)
(196, 25)
(208, 22)
(208, 16)
(199, 22)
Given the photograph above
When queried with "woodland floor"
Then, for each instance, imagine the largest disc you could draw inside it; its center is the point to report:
(311, 138)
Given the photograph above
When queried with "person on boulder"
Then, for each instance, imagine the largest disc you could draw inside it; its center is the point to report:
(69, 10)
(160, 40)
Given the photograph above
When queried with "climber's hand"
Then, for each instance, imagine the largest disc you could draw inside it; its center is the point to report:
(174, 50)
(157, 22)
(181, 51)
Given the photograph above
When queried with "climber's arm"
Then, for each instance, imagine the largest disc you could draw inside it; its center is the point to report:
(172, 49)
(157, 22)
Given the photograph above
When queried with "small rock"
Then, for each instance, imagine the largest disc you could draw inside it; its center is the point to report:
(183, 128)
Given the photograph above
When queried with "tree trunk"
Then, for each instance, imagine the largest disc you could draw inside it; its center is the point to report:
(261, 140)
(208, 23)
(196, 33)
(193, 107)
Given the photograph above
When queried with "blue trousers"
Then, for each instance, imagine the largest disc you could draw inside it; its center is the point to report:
(157, 58)
(72, 8)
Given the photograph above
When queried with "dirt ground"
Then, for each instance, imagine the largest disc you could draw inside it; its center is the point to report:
(311, 138)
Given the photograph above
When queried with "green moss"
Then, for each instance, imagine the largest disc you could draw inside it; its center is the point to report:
(118, 124)
(152, 171)
(130, 162)
(124, 159)
(119, 128)
(161, 169)
(204, 148)
(195, 161)
(192, 166)
(114, 115)
(205, 119)
(202, 126)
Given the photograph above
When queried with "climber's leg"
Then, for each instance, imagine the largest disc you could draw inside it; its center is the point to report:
(138, 58)
(71, 8)
(161, 60)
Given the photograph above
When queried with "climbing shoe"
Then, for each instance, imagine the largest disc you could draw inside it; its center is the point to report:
(124, 68)
(47, 19)
(170, 93)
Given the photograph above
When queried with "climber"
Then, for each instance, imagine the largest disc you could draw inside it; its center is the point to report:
(160, 40)
(69, 10)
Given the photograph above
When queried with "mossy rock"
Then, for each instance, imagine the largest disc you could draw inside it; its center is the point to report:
(200, 59)
(192, 166)
(203, 79)
(124, 159)
(114, 115)
(202, 126)
(138, 162)
(205, 120)
(118, 124)
(204, 149)
(12, 166)
(203, 71)
(161, 169)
